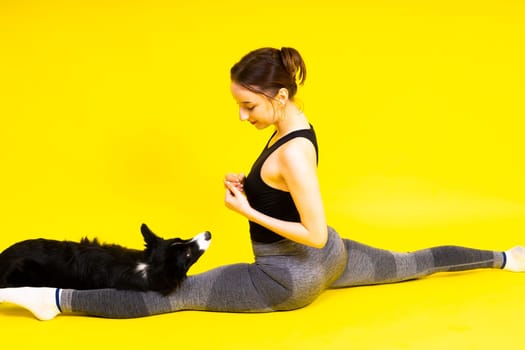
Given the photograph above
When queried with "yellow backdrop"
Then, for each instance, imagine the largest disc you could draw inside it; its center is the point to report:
(116, 113)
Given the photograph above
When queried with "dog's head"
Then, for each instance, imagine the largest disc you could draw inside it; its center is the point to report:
(168, 260)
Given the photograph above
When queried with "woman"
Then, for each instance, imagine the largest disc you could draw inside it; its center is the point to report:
(297, 256)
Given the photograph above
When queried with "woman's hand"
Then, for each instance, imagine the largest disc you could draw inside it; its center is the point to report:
(234, 198)
(236, 180)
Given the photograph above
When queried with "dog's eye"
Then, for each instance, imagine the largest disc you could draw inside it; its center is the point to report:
(188, 252)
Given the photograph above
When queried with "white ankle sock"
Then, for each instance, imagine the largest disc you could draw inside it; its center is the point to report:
(515, 259)
(42, 302)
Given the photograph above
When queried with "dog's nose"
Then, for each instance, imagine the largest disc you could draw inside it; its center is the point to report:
(203, 240)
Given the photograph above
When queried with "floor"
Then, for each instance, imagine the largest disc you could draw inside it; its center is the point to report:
(482, 309)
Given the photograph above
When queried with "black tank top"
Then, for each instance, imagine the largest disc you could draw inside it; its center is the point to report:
(268, 200)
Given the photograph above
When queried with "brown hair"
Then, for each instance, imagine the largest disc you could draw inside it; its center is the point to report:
(267, 70)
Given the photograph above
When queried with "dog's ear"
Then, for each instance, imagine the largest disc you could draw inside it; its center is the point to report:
(149, 237)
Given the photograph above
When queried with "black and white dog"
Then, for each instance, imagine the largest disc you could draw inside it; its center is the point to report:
(88, 264)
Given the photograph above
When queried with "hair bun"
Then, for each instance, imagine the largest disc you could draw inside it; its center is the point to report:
(294, 65)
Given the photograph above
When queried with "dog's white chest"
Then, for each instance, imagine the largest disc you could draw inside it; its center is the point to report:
(142, 269)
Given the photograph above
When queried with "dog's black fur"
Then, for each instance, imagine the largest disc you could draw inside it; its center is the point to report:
(88, 264)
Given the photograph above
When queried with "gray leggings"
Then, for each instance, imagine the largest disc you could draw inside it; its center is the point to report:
(284, 276)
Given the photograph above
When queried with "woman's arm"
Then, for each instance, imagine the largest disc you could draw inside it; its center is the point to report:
(298, 170)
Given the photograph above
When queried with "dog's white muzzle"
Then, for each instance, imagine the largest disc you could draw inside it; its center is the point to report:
(203, 240)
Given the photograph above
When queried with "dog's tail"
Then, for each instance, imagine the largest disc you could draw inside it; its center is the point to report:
(4, 270)
(9, 266)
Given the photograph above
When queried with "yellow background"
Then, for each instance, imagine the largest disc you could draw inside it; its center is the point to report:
(115, 113)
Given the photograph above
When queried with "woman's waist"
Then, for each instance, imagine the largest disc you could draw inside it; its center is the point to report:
(287, 247)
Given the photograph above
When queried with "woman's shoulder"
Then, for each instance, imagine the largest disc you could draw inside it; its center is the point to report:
(298, 149)
(301, 142)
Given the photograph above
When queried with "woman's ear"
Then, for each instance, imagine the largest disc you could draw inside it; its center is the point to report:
(282, 95)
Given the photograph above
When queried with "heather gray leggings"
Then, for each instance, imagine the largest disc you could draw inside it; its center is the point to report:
(284, 276)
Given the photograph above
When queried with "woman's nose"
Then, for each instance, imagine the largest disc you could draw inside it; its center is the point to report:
(243, 115)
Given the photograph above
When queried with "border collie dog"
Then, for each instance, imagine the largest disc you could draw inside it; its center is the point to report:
(88, 264)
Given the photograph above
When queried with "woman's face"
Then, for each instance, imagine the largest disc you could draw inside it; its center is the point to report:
(253, 107)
